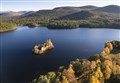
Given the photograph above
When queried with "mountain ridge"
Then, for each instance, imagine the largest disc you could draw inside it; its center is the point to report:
(63, 11)
(109, 9)
(14, 14)
(68, 10)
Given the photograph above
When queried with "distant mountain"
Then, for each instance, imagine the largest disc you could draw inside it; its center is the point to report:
(83, 12)
(86, 15)
(88, 7)
(69, 12)
(109, 9)
(60, 11)
(27, 13)
(70, 8)
(107, 12)
(12, 14)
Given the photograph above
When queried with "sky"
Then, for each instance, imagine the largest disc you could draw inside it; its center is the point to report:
(35, 5)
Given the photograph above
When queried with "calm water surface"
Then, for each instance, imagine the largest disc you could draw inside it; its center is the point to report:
(19, 64)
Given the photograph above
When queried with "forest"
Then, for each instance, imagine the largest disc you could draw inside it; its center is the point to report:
(59, 24)
(4, 26)
(99, 68)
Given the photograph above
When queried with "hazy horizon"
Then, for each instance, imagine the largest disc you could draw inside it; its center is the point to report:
(53, 8)
(29, 5)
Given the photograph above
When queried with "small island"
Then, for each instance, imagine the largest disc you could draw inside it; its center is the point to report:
(43, 48)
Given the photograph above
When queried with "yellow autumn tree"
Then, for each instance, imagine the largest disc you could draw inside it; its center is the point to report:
(98, 61)
(108, 68)
(94, 79)
(107, 50)
(108, 63)
(96, 76)
(98, 73)
(64, 79)
(103, 53)
(93, 65)
(70, 74)
(70, 69)
(107, 72)
(116, 69)
(109, 45)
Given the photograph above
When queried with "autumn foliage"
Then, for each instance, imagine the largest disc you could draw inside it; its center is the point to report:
(103, 68)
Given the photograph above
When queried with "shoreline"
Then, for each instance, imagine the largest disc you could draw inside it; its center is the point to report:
(55, 28)
(15, 28)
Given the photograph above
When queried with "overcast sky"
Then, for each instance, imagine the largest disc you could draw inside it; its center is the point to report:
(23, 5)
